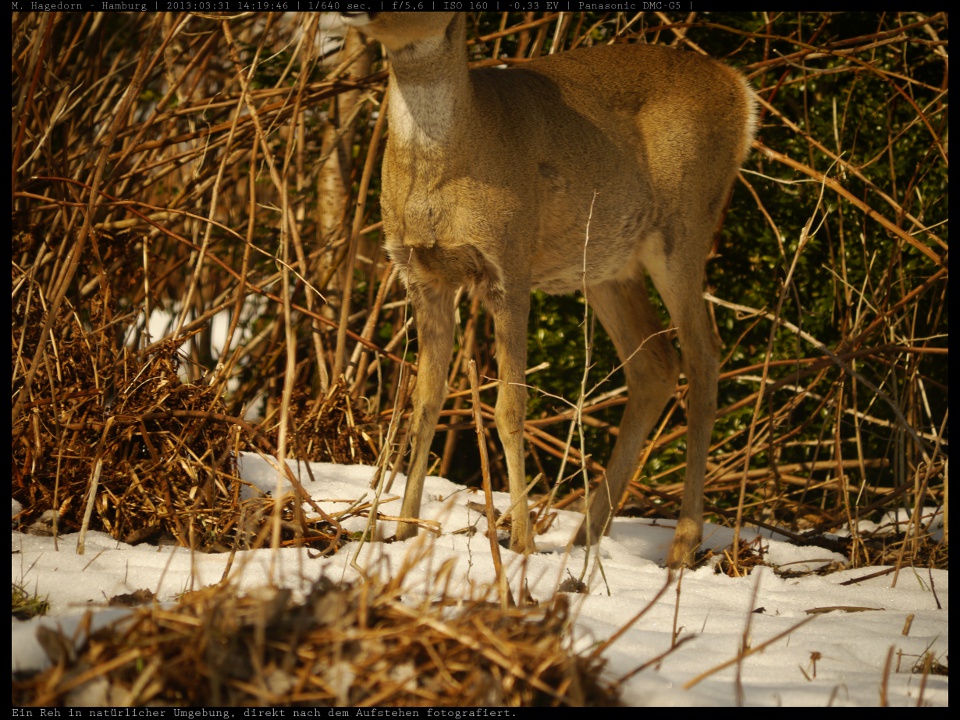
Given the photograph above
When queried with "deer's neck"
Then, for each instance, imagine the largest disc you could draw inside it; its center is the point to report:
(430, 95)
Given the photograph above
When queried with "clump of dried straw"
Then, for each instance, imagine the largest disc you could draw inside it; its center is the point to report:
(353, 645)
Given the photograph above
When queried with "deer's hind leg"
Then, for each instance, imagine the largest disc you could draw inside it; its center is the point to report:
(679, 281)
(651, 367)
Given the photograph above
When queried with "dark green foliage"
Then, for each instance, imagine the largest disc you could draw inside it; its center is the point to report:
(882, 111)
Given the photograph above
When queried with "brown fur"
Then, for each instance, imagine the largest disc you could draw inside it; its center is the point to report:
(489, 178)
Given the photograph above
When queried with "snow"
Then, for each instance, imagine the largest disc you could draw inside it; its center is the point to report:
(835, 658)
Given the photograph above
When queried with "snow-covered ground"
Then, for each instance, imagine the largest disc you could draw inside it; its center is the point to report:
(837, 657)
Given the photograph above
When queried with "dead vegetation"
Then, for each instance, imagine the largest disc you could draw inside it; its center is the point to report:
(177, 172)
(353, 646)
(189, 169)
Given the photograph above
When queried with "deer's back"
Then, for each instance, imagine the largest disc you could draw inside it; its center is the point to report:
(634, 137)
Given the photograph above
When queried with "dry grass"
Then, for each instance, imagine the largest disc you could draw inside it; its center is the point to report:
(361, 645)
(190, 164)
(214, 167)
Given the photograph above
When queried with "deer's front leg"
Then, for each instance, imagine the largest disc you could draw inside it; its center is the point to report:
(433, 312)
(511, 314)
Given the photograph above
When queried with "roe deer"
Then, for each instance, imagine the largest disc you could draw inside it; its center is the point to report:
(489, 177)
